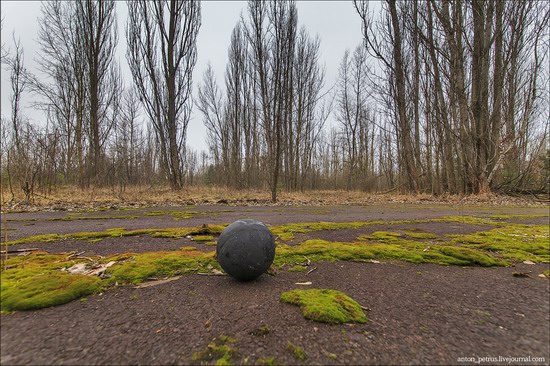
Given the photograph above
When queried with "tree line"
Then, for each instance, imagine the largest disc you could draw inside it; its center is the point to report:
(441, 97)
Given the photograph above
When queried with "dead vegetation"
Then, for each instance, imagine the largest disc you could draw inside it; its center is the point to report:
(73, 198)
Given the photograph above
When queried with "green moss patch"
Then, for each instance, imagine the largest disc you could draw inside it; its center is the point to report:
(161, 264)
(267, 361)
(184, 215)
(296, 351)
(46, 290)
(404, 250)
(261, 331)
(516, 242)
(286, 232)
(414, 234)
(518, 217)
(203, 238)
(82, 218)
(177, 215)
(500, 246)
(327, 306)
(174, 233)
(382, 237)
(219, 352)
(36, 281)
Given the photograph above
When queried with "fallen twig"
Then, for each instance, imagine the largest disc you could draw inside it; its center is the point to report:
(75, 254)
(157, 282)
(311, 270)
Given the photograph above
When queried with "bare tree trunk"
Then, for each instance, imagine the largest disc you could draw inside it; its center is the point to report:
(407, 154)
(97, 21)
(165, 90)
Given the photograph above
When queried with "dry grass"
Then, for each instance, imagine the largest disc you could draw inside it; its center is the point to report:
(71, 196)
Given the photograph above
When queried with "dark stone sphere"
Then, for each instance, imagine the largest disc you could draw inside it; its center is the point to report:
(245, 249)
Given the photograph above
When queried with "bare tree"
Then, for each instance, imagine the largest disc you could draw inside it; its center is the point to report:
(353, 114)
(128, 142)
(25, 158)
(162, 53)
(97, 21)
(3, 49)
(478, 87)
(18, 85)
(63, 91)
(272, 37)
(211, 105)
(83, 85)
(307, 120)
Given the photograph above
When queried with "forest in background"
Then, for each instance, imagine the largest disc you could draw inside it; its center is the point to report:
(441, 97)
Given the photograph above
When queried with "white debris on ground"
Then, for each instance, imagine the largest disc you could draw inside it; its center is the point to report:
(89, 269)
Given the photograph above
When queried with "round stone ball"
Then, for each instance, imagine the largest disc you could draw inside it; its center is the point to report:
(245, 249)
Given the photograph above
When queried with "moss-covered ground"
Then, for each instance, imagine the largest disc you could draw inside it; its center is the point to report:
(37, 280)
(219, 351)
(296, 351)
(326, 306)
(173, 233)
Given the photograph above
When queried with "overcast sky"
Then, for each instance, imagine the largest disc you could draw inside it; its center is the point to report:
(335, 22)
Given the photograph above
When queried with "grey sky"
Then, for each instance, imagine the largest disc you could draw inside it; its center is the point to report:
(335, 22)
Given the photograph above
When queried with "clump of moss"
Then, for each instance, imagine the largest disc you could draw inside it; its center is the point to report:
(505, 243)
(45, 289)
(161, 264)
(517, 216)
(403, 250)
(177, 215)
(187, 248)
(413, 234)
(266, 361)
(36, 281)
(203, 238)
(546, 273)
(516, 242)
(78, 218)
(327, 306)
(382, 237)
(470, 256)
(286, 232)
(174, 233)
(296, 351)
(219, 350)
(261, 331)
